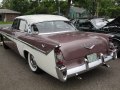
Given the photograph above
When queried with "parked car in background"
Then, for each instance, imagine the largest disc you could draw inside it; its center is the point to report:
(92, 25)
(51, 43)
(101, 25)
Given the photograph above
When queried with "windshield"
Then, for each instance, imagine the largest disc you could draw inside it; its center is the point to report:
(99, 23)
(53, 26)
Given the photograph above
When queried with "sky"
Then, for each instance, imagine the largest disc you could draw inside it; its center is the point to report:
(0, 1)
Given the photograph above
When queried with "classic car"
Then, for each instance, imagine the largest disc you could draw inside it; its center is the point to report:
(101, 25)
(51, 43)
(93, 24)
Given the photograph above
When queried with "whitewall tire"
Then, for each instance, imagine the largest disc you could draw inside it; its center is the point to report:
(32, 63)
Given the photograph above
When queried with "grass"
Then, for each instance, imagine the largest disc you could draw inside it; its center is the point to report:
(5, 22)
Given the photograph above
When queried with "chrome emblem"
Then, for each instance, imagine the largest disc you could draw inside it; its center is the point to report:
(90, 47)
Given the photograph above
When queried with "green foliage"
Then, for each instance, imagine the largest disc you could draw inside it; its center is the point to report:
(101, 7)
(5, 22)
(6, 4)
(42, 8)
(47, 7)
(113, 11)
(17, 5)
(90, 5)
(109, 8)
(20, 5)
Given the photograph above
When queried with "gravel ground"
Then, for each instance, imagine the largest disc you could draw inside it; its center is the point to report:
(16, 75)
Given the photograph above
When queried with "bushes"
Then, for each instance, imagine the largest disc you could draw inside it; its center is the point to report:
(112, 12)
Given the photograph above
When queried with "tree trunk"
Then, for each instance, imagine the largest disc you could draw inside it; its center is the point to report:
(97, 9)
(68, 7)
(58, 6)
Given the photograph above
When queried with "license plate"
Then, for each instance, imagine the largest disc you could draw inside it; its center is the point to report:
(92, 57)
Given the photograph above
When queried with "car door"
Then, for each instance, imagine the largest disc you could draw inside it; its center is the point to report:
(18, 28)
(8, 38)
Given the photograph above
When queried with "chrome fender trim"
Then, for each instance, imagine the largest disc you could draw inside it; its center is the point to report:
(102, 58)
(62, 73)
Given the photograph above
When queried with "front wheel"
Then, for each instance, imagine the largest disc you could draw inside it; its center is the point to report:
(3, 42)
(32, 63)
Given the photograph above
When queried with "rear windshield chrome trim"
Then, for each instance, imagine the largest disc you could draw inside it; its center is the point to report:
(10, 36)
(54, 32)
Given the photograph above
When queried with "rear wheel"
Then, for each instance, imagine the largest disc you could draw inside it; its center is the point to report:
(5, 46)
(32, 63)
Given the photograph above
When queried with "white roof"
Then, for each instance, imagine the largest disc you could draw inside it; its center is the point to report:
(41, 18)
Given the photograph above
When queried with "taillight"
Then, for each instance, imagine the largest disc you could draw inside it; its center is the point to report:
(60, 67)
(59, 57)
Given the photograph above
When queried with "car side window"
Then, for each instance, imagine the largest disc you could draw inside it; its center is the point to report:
(15, 24)
(35, 29)
(22, 25)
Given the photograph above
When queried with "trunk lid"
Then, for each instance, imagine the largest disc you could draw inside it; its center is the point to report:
(76, 45)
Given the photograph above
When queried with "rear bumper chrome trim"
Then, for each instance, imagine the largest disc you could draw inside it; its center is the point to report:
(82, 68)
(85, 67)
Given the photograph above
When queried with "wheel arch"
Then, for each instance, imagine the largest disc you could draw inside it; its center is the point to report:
(25, 52)
(1, 37)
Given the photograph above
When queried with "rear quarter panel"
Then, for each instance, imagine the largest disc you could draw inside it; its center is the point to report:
(46, 62)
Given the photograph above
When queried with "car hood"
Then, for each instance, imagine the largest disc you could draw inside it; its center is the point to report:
(76, 44)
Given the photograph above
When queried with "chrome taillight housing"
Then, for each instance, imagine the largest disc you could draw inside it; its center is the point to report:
(60, 67)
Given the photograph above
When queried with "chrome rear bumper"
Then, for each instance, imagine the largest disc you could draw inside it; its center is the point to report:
(63, 73)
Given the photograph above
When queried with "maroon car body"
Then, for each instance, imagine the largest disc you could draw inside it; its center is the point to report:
(63, 53)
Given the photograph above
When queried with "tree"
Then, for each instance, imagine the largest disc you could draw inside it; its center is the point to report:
(6, 3)
(94, 7)
(17, 5)
(58, 6)
(68, 7)
(20, 5)
(97, 7)
(44, 7)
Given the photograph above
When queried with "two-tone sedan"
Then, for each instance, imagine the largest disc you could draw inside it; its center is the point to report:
(51, 43)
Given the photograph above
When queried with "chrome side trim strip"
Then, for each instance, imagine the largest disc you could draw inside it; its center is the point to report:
(7, 35)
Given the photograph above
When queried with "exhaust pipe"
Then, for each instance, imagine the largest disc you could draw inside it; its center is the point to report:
(103, 60)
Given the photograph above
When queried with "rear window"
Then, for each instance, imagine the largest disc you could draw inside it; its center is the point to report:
(53, 26)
